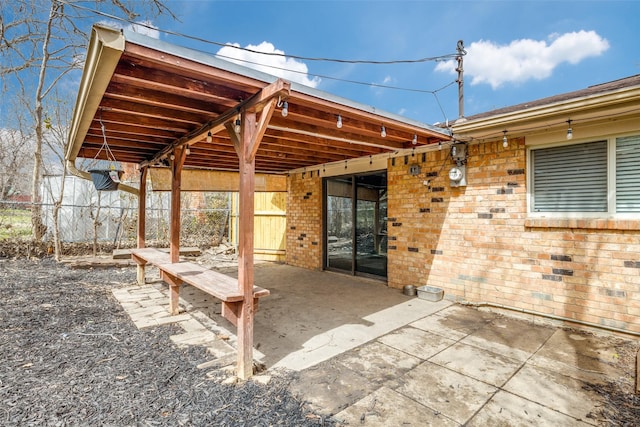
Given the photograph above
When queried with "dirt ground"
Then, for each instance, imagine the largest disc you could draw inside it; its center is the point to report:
(71, 356)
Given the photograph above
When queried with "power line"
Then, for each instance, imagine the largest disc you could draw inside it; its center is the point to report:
(323, 76)
(297, 57)
(445, 57)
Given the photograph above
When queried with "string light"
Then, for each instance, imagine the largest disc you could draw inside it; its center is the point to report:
(505, 141)
(285, 109)
(339, 122)
(415, 139)
(209, 137)
(569, 130)
(383, 132)
(238, 126)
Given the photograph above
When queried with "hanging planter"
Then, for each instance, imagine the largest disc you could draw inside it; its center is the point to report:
(105, 179)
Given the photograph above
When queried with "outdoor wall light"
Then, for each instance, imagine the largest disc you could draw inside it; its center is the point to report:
(209, 137)
(339, 122)
(383, 132)
(505, 140)
(238, 126)
(285, 109)
(570, 130)
(414, 141)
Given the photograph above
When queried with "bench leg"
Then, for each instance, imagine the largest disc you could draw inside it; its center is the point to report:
(140, 277)
(174, 292)
(231, 311)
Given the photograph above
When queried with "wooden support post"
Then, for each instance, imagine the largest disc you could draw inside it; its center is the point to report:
(245, 247)
(179, 156)
(246, 145)
(142, 221)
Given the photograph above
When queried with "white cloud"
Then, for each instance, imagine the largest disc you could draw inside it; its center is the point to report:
(276, 65)
(525, 59)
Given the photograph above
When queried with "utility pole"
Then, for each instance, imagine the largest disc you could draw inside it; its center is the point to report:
(460, 80)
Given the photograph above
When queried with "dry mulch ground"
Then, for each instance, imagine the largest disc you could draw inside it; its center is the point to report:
(71, 356)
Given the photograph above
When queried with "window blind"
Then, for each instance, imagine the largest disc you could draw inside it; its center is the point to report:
(570, 178)
(628, 174)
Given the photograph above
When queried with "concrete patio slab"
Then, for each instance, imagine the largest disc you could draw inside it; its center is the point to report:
(378, 363)
(478, 363)
(331, 387)
(455, 321)
(386, 407)
(416, 342)
(578, 354)
(361, 348)
(455, 395)
(508, 410)
(515, 334)
(555, 391)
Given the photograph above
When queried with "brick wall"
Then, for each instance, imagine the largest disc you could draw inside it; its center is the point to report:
(304, 220)
(476, 243)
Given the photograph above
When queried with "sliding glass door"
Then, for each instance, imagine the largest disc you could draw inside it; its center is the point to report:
(355, 224)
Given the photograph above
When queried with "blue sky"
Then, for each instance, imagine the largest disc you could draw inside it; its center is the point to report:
(517, 50)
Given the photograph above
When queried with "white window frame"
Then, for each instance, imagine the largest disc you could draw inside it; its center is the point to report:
(611, 180)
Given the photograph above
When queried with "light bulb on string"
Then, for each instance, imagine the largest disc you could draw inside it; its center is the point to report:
(209, 137)
(238, 125)
(569, 130)
(414, 141)
(339, 122)
(505, 140)
(383, 132)
(285, 109)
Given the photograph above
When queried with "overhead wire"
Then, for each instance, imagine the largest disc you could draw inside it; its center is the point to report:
(445, 57)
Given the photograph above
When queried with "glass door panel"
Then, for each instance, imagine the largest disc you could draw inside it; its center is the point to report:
(356, 224)
(371, 224)
(340, 224)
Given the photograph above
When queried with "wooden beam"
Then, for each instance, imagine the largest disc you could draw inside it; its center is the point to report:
(209, 180)
(265, 117)
(141, 229)
(180, 154)
(255, 103)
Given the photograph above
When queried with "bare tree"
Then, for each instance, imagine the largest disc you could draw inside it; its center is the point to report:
(56, 142)
(15, 159)
(41, 42)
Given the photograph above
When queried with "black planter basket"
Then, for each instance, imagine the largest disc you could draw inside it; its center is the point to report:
(102, 179)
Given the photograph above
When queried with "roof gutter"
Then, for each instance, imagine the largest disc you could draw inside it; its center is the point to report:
(584, 105)
(105, 49)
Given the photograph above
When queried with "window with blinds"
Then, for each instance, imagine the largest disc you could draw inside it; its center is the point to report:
(570, 178)
(628, 174)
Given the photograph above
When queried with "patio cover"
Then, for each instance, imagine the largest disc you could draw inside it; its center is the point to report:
(170, 107)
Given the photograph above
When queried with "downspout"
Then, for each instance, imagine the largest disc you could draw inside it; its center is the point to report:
(549, 316)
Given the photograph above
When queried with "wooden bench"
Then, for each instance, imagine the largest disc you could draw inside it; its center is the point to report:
(214, 283)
